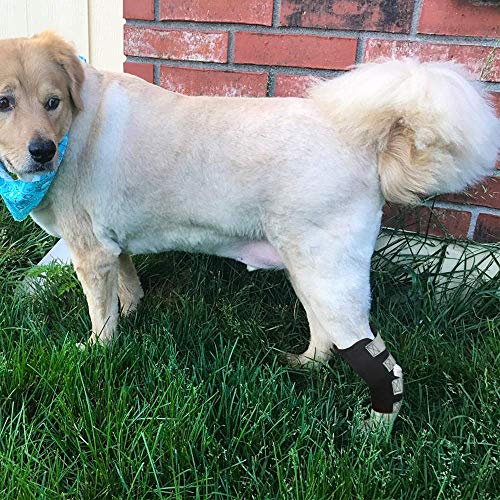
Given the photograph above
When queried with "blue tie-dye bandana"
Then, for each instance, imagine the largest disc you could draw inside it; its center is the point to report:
(21, 197)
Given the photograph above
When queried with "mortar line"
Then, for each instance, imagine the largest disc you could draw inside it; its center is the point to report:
(230, 47)
(415, 18)
(156, 73)
(156, 10)
(271, 83)
(276, 13)
(360, 49)
(247, 68)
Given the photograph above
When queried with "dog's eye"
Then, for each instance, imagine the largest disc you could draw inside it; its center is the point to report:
(52, 104)
(6, 103)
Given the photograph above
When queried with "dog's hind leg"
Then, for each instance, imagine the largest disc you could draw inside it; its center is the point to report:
(97, 270)
(320, 344)
(129, 287)
(331, 277)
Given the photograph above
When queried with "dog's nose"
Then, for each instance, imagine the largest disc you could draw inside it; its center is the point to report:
(42, 151)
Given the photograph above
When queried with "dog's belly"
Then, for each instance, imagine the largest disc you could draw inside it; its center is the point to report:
(255, 254)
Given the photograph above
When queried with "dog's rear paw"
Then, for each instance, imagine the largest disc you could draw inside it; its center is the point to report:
(302, 360)
(380, 422)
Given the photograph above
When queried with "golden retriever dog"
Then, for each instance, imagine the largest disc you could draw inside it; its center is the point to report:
(288, 183)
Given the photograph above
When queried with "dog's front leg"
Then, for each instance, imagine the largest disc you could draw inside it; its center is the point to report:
(97, 270)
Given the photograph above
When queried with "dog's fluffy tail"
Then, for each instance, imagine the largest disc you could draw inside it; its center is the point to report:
(432, 129)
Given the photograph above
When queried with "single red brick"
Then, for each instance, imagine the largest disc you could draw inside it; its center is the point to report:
(483, 62)
(459, 17)
(142, 70)
(423, 220)
(184, 45)
(307, 51)
(375, 15)
(210, 82)
(138, 9)
(293, 85)
(487, 228)
(485, 194)
(229, 11)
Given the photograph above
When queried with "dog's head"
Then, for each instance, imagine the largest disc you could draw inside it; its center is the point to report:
(40, 82)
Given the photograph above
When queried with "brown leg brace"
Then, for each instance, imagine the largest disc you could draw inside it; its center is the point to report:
(371, 360)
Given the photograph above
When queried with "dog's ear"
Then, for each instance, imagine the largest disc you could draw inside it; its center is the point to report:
(64, 54)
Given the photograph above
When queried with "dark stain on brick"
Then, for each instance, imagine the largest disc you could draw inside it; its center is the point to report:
(294, 19)
(485, 233)
(391, 13)
(485, 2)
(394, 13)
(481, 235)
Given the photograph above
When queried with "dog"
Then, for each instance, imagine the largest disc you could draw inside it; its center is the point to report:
(275, 183)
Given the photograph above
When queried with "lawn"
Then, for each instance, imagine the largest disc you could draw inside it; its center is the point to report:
(193, 401)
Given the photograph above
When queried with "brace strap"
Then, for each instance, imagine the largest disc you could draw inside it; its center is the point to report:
(371, 360)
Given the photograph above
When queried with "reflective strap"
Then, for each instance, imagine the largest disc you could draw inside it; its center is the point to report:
(396, 407)
(389, 363)
(397, 386)
(376, 346)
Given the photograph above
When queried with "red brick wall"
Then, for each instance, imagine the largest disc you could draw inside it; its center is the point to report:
(274, 47)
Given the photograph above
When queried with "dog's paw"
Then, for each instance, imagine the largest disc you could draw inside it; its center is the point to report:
(93, 342)
(379, 422)
(127, 308)
(130, 302)
(302, 360)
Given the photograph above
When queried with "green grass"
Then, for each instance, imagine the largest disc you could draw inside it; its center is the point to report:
(193, 402)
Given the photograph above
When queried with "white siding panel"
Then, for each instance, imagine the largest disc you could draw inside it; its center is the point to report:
(13, 21)
(28, 17)
(106, 34)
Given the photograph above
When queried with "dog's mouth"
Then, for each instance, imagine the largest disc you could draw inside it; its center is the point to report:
(36, 168)
(8, 164)
(30, 170)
